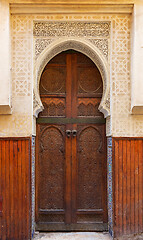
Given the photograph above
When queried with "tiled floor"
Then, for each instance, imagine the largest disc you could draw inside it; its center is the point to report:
(72, 236)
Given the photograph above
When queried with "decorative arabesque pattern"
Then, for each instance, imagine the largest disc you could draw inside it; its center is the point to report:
(89, 109)
(101, 44)
(21, 56)
(21, 68)
(22, 27)
(68, 29)
(88, 84)
(51, 144)
(53, 108)
(40, 45)
(97, 32)
(20, 122)
(123, 123)
(88, 185)
(78, 29)
(56, 81)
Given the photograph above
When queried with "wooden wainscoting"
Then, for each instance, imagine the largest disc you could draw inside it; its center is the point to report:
(15, 188)
(128, 185)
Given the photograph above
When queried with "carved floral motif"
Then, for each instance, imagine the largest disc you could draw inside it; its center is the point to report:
(40, 45)
(68, 29)
(97, 32)
(102, 45)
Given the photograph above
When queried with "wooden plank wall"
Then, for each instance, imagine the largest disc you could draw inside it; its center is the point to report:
(127, 186)
(15, 188)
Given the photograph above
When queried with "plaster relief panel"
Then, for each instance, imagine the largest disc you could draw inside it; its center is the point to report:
(79, 35)
(71, 29)
(116, 53)
(101, 44)
(122, 121)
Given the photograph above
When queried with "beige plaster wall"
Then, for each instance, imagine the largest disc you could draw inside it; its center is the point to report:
(5, 78)
(137, 56)
(19, 123)
(121, 122)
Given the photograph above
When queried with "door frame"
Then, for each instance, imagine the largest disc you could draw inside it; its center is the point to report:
(71, 59)
(85, 47)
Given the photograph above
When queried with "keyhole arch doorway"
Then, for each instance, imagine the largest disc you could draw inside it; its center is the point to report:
(80, 45)
(71, 175)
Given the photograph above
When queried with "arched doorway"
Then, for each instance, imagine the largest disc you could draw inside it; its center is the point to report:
(71, 147)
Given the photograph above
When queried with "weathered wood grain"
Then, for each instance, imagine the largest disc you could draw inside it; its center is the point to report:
(128, 186)
(15, 188)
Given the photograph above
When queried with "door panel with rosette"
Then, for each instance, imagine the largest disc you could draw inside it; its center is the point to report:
(71, 147)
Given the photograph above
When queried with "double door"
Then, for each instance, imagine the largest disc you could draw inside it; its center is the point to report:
(71, 147)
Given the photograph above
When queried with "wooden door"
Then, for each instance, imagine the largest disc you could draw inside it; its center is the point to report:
(71, 147)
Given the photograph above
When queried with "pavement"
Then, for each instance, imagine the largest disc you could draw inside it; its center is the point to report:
(72, 236)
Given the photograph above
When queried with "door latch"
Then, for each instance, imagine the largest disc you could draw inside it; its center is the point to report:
(74, 133)
(68, 133)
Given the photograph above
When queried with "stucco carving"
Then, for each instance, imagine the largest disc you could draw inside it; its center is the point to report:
(41, 44)
(102, 45)
(122, 123)
(90, 38)
(83, 46)
(71, 29)
(37, 104)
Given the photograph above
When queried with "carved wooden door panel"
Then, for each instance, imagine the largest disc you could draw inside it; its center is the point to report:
(71, 147)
